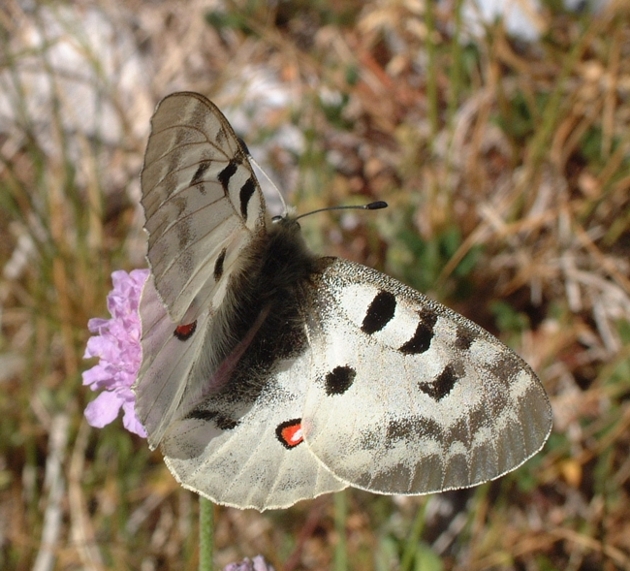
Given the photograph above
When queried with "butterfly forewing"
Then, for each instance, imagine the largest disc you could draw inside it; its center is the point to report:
(408, 396)
(202, 203)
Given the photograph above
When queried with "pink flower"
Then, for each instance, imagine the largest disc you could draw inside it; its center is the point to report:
(117, 344)
(257, 564)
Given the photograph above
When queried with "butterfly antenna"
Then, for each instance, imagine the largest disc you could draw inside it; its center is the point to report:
(284, 204)
(371, 206)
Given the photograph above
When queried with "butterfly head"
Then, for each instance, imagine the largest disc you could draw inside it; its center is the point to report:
(282, 219)
(287, 226)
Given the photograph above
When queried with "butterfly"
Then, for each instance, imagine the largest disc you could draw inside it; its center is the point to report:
(271, 375)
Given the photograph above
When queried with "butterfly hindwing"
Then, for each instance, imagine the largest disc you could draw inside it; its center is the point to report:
(251, 455)
(165, 373)
(410, 397)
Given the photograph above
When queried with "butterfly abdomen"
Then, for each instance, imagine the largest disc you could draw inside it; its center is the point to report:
(262, 320)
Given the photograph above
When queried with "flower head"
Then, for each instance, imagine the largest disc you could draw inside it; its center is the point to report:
(117, 344)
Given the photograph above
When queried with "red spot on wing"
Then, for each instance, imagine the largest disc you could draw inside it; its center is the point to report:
(289, 433)
(184, 332)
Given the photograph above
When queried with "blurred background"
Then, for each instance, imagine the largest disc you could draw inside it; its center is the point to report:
(503, 149)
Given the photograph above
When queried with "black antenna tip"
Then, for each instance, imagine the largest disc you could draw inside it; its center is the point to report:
(376, 205)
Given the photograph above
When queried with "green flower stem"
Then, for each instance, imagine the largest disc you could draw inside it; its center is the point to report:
(206, 534)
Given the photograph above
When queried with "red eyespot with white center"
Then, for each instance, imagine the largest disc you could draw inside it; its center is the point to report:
(289, 433)
(185, 332)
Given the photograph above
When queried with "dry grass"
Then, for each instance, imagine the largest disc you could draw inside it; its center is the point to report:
(507, 169)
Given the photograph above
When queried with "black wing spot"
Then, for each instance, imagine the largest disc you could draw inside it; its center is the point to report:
(380, 312)
(421, 339)
(221, 421)
(218, 265)
(226, 174)
(442, 385)
(339, 380)
(197, 177)
(464, 338)
(505, 368)
(185, 332)
(247, 190)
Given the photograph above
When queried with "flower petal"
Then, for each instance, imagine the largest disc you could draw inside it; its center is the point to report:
(103, 409)
(130, 420)
(117, 344)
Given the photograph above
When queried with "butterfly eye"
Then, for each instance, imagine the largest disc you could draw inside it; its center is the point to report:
(276, 219)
